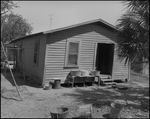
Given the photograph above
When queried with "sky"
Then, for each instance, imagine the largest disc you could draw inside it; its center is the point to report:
(65, 13)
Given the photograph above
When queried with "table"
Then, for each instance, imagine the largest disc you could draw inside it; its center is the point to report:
(83, 79)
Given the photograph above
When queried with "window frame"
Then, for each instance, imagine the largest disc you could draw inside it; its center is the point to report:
(67, 54)
(37, 53)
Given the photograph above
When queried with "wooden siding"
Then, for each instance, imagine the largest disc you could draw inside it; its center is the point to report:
(89, 35)
(120, 70)
(29, 67)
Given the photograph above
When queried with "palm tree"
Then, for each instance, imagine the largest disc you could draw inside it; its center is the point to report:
(133, 32)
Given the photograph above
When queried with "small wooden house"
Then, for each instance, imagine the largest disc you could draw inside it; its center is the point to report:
(86, 46)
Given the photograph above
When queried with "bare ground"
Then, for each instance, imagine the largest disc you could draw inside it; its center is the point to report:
(38, 103)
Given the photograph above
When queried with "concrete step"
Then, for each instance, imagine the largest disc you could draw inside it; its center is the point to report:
(105, 76)
(109, 83)
(120, 80)
(107, 80)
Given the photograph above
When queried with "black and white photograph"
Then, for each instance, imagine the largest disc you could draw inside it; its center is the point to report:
(75, 59)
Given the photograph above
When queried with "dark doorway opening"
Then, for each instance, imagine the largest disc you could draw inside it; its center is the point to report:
(104, 58)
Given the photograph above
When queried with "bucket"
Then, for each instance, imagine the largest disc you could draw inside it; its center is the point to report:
(51, 84)
(57, 84)
(95, 73)
(61, 112)
(115, 110)
(48, 86)
(76, 73)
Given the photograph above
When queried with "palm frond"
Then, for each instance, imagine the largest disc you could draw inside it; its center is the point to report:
(133, 32)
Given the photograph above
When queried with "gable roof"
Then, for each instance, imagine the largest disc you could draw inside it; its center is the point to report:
(80, 24)
(106, 24)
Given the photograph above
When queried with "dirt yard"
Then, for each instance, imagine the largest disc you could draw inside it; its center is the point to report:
(38, 103)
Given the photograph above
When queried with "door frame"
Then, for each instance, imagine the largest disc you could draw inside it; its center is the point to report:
(95, 56)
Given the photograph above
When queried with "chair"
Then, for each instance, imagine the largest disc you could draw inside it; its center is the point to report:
(86, 111)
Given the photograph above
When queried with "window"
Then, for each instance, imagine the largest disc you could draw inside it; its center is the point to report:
(72, 55)
(36, 52)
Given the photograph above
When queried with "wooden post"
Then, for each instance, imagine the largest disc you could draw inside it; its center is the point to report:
(14, 65)
(95, 53)
(5, 64)
(11, 70)
(99, 79)
(23, 65)
(16, 57)
(5, 71)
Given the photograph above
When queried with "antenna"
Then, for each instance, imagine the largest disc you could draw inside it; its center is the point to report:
(50, 21)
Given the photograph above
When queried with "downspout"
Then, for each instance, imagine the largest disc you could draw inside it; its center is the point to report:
(14, 57)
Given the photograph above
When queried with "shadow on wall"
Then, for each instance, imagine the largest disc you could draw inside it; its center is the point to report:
(19, 79)
(102, 97)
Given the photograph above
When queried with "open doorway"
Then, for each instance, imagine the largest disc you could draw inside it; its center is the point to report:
(104, 58)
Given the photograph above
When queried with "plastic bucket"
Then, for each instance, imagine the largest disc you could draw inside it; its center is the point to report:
(115, 112)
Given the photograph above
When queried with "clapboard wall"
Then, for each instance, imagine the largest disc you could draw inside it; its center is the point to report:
(88, 35)
(30, 69)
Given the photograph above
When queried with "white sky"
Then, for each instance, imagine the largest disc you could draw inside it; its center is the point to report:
(66, 13)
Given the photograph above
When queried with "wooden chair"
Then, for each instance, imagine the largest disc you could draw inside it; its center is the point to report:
(86, 111)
